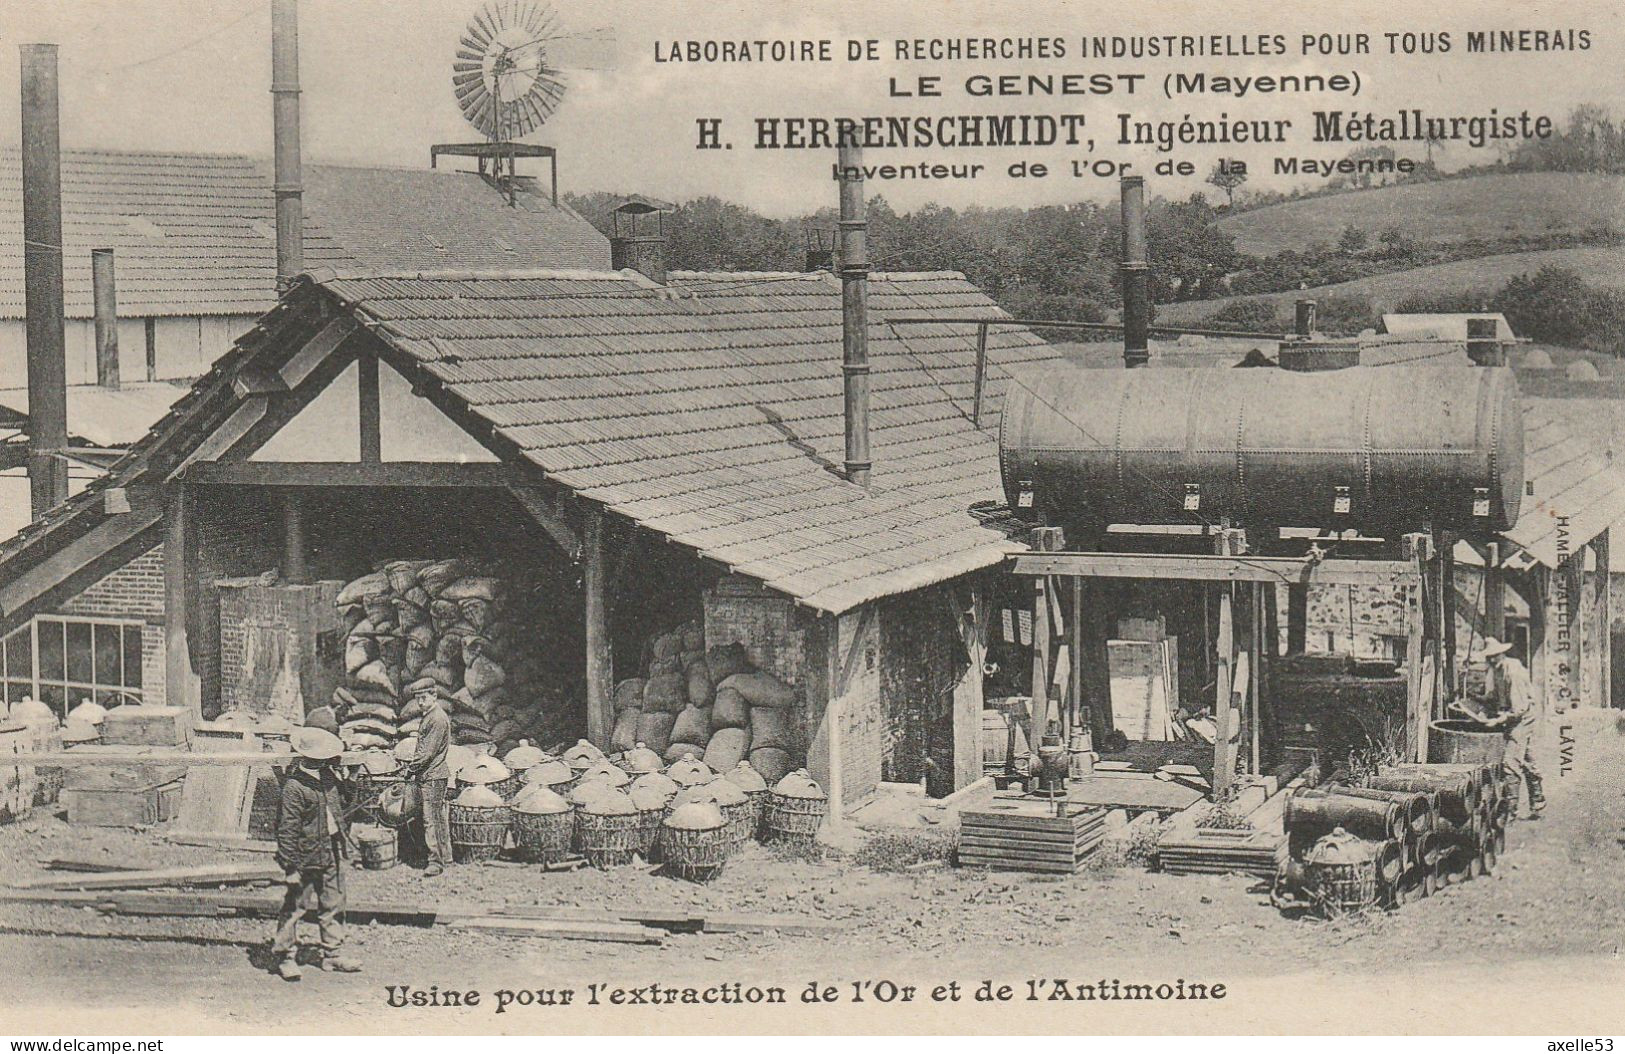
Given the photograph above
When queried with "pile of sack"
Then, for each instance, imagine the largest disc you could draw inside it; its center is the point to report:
(711, 703)
(450, 621)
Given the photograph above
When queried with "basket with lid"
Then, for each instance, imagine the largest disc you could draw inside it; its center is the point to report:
(553, 774)
(796, 808)
(543, 824)
(582, 756)
(750, 781)
(694, 841)
(607, 828)
(690, 771)
(1340, 873)
(650, 800)
(519, 761)
(737, 812)
(479, 824)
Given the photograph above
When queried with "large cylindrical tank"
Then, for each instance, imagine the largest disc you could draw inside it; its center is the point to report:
(1373, 448)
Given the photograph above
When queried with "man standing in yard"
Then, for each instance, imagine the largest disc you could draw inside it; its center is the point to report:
(429, 769)
(1514, 713)
(309, 842)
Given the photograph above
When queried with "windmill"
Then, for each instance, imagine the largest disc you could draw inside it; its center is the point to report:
(506, 87)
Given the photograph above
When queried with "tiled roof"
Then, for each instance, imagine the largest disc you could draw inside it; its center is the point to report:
(195, 234)
(710, 411)
(1578, 491)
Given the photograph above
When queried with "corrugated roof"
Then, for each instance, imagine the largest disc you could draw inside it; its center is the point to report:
(109, 417)
(710, 411)
(1578, 491)
(194, 234)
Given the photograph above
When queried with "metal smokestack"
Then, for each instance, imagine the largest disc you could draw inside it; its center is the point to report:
(289, 187)
(42, 278)
(105, 296)
(854, 272)
(1136, 275)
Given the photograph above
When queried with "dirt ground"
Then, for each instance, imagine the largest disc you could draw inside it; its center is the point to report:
(1533, 949)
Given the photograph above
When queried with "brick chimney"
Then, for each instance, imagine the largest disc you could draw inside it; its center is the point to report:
(638, 242)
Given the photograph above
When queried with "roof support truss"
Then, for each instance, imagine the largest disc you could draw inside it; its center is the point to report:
(1203, 568)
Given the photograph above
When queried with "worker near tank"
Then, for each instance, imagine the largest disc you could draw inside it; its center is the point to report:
(430, 770)
(309, 842)
(1513, 711)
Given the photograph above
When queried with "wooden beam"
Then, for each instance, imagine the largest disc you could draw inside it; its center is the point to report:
(183, 683)
(1038, 713)
(551, 518)
(354, 474)
(1297, 618)
(173, 876)
(1495, 593)
(372, 444)
(1447, 620)
(243, 419)
(315, 351)
(1075, 689)
(295, 566)
(1416, 717)
(1605, 636)
(981, 375)
(600, 672)
(1200, 567)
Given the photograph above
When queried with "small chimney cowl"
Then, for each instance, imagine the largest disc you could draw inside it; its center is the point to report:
(820, 250)
(637, 242)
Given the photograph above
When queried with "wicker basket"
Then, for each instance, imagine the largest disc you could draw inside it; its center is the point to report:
(368, 789)
(509, 786)
(795, 819)
(649, 832)
(608, 840)
(543, 838)
(758, 805)
(478, 832)
(697, 855)
(1341, 889)
(739, 823)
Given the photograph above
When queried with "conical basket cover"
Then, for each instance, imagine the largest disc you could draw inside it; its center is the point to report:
(610, 803)
(641, 759)
(582, 755)
(745, 778)
(689, 771)
(479, 796)
(483, 769)
(799, 784)
(725, 792)
(657, 781)
(695, 816)
(549, 774)
(88, 712)
(538, 799)
(606, 772)
(523, 756)
(646, 797)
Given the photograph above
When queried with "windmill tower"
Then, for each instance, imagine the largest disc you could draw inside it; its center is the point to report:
(506, 87)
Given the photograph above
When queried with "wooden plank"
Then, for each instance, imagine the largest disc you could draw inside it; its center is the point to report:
(1201, 567)
(218, 841)
(557, 929)
(600, 674)
(355, 474)
(174, 876)
(315, 350)
(372, 447)
(212, 799)
(134, 756)
(788, 924)
(550, 517)
(1038, 714)
(85, 866)
(1223, 765)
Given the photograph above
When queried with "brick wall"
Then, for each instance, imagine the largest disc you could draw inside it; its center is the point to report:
(920, 662)
(134, 591)
(765, 622)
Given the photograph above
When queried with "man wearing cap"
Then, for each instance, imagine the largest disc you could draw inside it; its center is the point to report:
(309, 834)
(1514, 714)
(429, 769)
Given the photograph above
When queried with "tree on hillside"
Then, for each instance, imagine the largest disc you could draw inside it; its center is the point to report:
(1352, 240)
(1227, 178)
(1193, 255)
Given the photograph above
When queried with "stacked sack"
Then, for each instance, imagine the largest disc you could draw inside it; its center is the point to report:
(447, 621)
(710, 703)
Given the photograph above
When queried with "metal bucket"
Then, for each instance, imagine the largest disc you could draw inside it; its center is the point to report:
(1464, 742)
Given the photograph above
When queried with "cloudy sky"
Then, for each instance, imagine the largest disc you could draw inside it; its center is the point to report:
(193, 75)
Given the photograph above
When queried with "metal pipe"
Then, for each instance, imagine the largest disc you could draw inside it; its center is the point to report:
(854, 270)
(1136, 275)
(288, 186)
(42, 278)
(105, 295)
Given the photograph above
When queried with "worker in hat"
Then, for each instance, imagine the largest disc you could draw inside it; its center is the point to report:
(309, 842)
(428, 768)
(1512, 710)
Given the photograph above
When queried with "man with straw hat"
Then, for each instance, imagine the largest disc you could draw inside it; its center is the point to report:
(430, 770)
(309, 841)
(1512, 710)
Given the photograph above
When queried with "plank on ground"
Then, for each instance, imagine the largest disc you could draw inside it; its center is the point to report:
(558, 929)
(173, 876)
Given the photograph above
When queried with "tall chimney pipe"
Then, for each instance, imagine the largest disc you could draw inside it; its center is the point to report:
(42, 281)
(106, 297)
(288, 187)
(854, 271)
(1136, 275)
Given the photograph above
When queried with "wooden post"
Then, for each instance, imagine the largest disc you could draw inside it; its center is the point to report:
(1573, 572)
(104, 296)
(295, 567)
(1255, 679)
(981, 374)
(1534, 593)
(1075, 690)
(1447, 616)
(367, 390)
(1416, 717)
(1605, 620)
(1297, 618)
(1038, 716)
(182, 684)
(600, 674)
(1223, 765)
(1495, 593)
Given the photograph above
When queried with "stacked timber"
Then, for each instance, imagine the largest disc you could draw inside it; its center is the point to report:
(711, 703)
(456, 623)
(1017, 835)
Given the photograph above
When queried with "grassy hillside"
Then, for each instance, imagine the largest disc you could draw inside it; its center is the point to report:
(1601, 267)
(1451, 210)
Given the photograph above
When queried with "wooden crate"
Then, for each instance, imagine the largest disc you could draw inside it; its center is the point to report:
(146, 726)
(122, 806)
(1025, 835)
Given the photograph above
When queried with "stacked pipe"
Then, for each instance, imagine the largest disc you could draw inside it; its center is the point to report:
(1424, 826)
(451, 621)
(711, 703)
